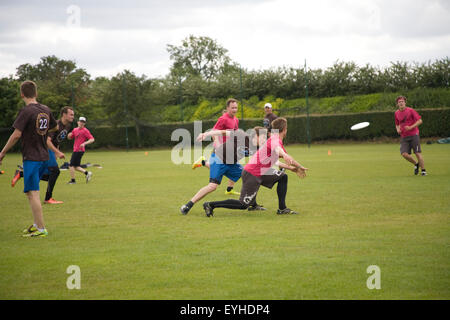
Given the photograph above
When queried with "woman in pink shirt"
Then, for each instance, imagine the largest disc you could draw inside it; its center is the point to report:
(82, 137)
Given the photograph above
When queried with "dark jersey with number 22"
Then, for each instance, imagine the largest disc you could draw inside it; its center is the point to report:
(34, 121)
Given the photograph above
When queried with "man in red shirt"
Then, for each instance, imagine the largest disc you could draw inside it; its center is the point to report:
(407, 121)
(82, 138)
(259, 172)
(217, 169)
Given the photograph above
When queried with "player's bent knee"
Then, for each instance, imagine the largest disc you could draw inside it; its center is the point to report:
(212, 187)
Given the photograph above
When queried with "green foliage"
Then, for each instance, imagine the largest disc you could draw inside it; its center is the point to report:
(59, 81)
(199, 56)
(10, 101)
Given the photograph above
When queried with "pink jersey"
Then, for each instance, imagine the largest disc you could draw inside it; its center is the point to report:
(226, 122)
(405, 118)
(266, 156)
(80, 136)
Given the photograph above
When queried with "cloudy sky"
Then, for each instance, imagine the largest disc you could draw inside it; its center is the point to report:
(105, 37)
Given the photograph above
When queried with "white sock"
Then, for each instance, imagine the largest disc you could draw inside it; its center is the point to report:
(41, 230)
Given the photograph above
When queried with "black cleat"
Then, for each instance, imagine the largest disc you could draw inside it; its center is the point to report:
(184, 209)
(286, 211)
(256, 208)
(208, 210)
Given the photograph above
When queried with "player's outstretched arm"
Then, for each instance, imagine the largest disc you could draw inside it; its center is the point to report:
(213, 133)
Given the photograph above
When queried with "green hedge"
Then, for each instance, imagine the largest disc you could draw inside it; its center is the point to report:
(436, 123)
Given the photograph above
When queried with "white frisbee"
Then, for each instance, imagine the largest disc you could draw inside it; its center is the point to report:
(359, 125)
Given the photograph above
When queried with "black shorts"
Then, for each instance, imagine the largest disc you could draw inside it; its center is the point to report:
(251, 184)
(75, 160)
(410, 142)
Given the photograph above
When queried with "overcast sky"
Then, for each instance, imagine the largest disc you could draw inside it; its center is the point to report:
(106, 37)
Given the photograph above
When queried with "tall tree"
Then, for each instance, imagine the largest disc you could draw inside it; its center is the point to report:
(199, 56)
(58, 81)
(128, 98)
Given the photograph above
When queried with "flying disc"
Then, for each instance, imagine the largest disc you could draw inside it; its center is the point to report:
(359, 125)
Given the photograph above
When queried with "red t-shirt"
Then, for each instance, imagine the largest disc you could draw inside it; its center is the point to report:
(226, 122)
(405, 118)
(266, 156)
(80, 136)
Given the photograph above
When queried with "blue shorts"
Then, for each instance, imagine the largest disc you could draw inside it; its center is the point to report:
(32, 172)
(51, 162)
(217, 169)
(52, 159)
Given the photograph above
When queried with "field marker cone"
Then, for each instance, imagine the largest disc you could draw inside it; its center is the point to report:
(329, 152)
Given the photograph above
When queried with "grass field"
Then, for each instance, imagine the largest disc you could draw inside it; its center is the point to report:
(359, 206)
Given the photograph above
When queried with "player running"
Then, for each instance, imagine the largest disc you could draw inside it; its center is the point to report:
(259, 172)
(228, 121)
(82, 137)
(225, 160)
(407, 122)
(32, 125)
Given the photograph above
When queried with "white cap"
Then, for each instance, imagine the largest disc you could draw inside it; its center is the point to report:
(82, 119)
(268, 105)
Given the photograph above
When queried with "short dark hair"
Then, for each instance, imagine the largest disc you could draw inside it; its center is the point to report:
(28, 89)
(64, 110)
(231, 100)
(399, 98)
(260, 130)
(279, 124)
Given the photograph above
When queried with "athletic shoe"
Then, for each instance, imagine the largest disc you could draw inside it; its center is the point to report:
(16, 178)
(208, 210)
(184, 209)
(52, 201)
(30, 229)
(36, 233)
(198, 163)
(416, 169)
(286, 211)
(88, 176)
(232, 192)
(256, 208)
(71, 182)
(424, 173)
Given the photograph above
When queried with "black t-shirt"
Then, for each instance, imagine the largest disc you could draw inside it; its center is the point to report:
(237, 146)
(61, 134)
(34, 121)
(267, 122)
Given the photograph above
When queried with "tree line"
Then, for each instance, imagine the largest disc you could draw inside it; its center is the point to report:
(202, 70)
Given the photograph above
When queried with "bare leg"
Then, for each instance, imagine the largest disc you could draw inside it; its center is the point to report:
(231, 183)
(408, 157)
(36, 208)
(72, 172)
(420, 159)
(80, 169)
(204, 191)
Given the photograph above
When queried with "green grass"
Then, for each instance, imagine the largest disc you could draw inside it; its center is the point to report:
(360, 206)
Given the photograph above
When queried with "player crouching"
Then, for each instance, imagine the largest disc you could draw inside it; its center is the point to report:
(259, 172)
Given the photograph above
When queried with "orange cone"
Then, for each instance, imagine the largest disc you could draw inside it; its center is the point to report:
(329, 152)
